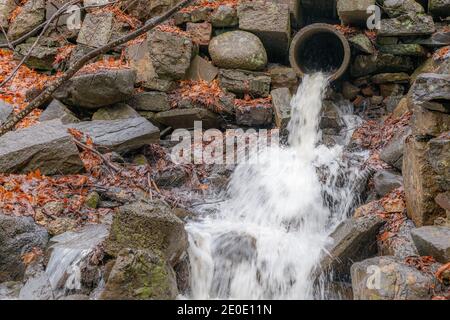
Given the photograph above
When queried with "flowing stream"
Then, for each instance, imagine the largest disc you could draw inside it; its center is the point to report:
(264, 240)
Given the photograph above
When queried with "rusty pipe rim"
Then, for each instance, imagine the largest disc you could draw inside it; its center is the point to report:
(305, 34)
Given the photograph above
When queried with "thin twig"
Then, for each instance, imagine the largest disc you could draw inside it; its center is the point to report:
(6, 38)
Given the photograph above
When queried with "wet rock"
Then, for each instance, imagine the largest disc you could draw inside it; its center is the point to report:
(392, 153)
(185, 118)
(354, 12)
(414, 50)
(245, 82)
(438, 156)
(234, 247)
(43, 55)
(350, 91)
(365, 65)
(420, 184)
(77, 297)
(96, 29)
(433, 241)
(224, 17)
(354, 240)
(281, 102)
(98, 89)
(6, 111)
(57, 110)
(6, 7)
(282, 77)
(385, 181)
(432, 91)
(150, 101)
(37, 285)
(119, 135)
(200, 32)
(115, 112)
(10, 290)
(170, 54)
(330, 118)
(18, 236)
(396, 8)
(390, 78)
(439, 8)
(171, 178)
(31, 15)
(389, 278)
(238, 50)
(140, 275)
(148, 226)
(407, 25)
(270, 21)
(201, 69)
(362, 43)
(46, 146)
(253, 116)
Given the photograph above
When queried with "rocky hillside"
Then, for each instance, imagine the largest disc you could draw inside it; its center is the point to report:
(91, 205)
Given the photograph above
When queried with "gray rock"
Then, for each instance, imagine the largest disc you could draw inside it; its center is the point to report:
(238, 50)
(201, 13)
(438, 154)
(170, 54)
(401, 245)
(354, 240)
(150, 101)
(254, 116)
(270, 21)
(330, 117)
(282, 77)
(354, 12)
(385, 181)
(37, 285)
(10, 290)
(95, 90)
(362, 43)
(6, 7)
(432, 91)
(439, 8)
(43, 55)
(115, 112)
(383, 78)
(428, 123)
(119, 135)
(19, 235)
(46, 146)
(281, 102)
(201, 69)
(392, 153)
(433, 241)
(96, 30)
(224, 17)
(57, 110)
(31, 15)
(389, 278)
(242, 82)
(185, 118)
(407, 25)
(147, 9)
(364, 65)
(6, 111)
(396, 8)
(140, 275)
(413, 50)
(392, 91)
(148, 226)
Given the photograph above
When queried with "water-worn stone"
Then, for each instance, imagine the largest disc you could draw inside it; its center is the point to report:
(270, 21)
(6, 7)
(354, 12)
(439, 8)
(420, 185)
(46, 146)
(37, 284)
(18, 235)
(224, 17)
(185, 118)
(238, 50)
(389, 278)
(364, 65)
(6, 111)
(254, 115)
(282, 77)
(407, 25)
(245, 82)
(150, 101)
(148, 226)
(30, 16)
(43, 55)
(362, 43)
(170, 54)
(115, 112)
(95, 90)
(354, 240)
(432, 91)
(330, 118)
(392, 153)
(433, 241)
(385, 181)
(140, 275)
(119, 135)
(414, 50)
(438, 155)
(96, 29)
(281, 103)
(57, 110)
(201, 69)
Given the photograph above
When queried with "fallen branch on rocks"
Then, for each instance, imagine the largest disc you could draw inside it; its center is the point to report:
(52, 87)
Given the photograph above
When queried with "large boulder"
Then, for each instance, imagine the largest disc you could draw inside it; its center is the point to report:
(170, 54)
(389, 278)
(95, 90)
(148, 226)
(354, 240)
(432, 91)
(433, 241)
(6, 7)
(31, 15)
(18, 236)
(6, 111)
(46, 146)
(407, 25)
(242, 82)
(57, 110)
(392, 152)
(270, 21)
(119, 135)
(354, 12)
(140, 275)
(238, 50)
(428, 123)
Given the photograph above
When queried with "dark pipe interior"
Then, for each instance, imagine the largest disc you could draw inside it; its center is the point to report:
(320, 52)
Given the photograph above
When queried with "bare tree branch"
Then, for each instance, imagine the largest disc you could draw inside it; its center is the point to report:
(48, 91)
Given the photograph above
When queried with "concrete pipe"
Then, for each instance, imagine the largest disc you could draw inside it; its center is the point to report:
(320, 47)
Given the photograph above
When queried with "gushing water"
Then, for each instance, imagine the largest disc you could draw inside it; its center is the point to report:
(265, 239)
